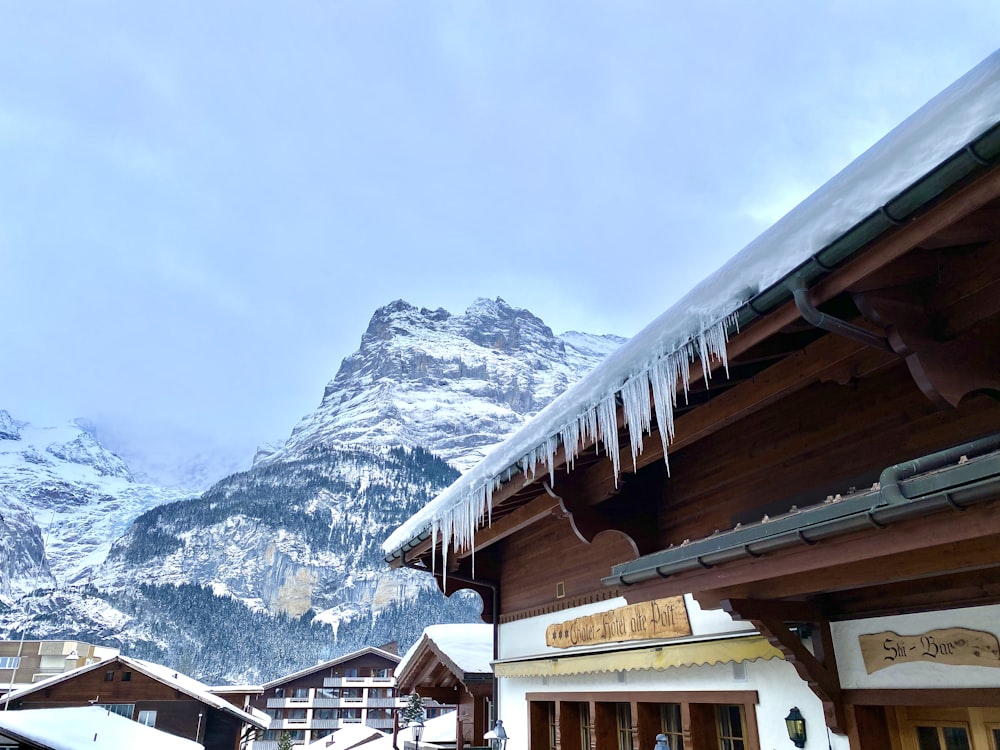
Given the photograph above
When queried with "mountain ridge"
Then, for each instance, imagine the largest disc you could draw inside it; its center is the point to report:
(295, 538)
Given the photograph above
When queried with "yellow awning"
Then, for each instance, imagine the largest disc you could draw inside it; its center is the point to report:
(658, 658)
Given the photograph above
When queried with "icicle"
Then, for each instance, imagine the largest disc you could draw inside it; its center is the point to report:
(635, 404)
(607, 420)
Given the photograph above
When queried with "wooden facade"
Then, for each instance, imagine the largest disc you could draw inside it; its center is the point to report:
(430, 671)
(127, 688)
(878, 371)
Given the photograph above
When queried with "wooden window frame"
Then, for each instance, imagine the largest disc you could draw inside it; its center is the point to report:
(698, 717)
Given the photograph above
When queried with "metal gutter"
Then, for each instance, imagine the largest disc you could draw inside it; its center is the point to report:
(941, 484)
(976, 156)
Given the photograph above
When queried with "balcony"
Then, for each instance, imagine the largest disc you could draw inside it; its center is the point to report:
(287, 702)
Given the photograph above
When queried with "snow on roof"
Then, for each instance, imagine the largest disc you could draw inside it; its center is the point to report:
(327, 664)
(697, 326)
(171, 677)
(441, 729)
(86, 728)
(469, 646)
(349, 736)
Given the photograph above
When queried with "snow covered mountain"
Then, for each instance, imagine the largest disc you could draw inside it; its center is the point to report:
(63, 499)
(296, 539)
(452, 384)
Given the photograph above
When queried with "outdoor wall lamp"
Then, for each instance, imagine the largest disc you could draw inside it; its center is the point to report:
(795, 723)
(417, 730)
(497, 736)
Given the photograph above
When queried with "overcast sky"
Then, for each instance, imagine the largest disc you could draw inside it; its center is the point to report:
(202, 203)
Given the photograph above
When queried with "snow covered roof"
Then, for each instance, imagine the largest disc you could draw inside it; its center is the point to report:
(697, 327)
(441, 729)
(349, 736)
(86, 728)
(468, 646)
(332, 662)
(171, 677)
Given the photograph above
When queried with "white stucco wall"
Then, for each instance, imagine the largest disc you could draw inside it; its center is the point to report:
(776, 682)
(918, 674)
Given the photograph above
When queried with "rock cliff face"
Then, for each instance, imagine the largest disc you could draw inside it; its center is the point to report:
(299, 534)
(452, 384)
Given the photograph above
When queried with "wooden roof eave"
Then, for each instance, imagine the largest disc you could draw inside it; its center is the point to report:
(881, 241)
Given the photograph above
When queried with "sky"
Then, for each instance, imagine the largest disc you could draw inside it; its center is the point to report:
(203, 203)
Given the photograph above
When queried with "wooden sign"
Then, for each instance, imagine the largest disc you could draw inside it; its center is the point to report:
(958, 646)
(660, 618)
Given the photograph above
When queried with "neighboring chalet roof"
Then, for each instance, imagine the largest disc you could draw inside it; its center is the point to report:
(349, 736)
(439, 730)
(86, 728)
(948, 139)
(170, 677)
(332, 663)
(466, 650)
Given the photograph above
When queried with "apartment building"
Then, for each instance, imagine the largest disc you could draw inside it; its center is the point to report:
(358, 688)
(26, 662)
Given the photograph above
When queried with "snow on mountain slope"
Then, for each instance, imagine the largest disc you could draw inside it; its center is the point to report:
(294, 540)
(63, 500)
(454, 385)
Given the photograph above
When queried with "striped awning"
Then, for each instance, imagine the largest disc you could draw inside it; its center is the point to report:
(659, 658)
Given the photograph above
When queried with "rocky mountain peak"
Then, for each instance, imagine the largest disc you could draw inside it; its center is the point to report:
(451, 384)
(9, 429)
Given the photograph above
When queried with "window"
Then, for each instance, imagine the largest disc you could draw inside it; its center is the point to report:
(296, 714)
(353, 694)
(351, 672)
(300, 693)
(382, 673)
(670, 721)
(730, 727)
(380, 692)
(10, 662)
(126, 676)
(585, 726)
(122, 709)
(350, 714)
(279, 692)
(148, 718)
(327, 693)
(623, 715)
(324, 714)
(109, 676)
(552, 726)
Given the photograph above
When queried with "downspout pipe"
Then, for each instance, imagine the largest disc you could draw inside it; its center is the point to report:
(815, 317)
(495, 596)
(889, 489)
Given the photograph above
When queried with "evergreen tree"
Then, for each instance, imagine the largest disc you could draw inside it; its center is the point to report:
(285, 741)
(414, 710)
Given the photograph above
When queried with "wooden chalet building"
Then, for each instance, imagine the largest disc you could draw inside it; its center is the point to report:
(148, 693)
(829, 402)
(357, 688)
(452, 665)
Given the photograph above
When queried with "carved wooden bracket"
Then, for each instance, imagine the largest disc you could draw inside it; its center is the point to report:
(817, 667)
(460, 576)
(638, 494)
(944, 371)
